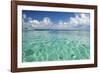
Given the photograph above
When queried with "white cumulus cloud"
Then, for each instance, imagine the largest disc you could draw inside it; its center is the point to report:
(46, 21)
(79, 19)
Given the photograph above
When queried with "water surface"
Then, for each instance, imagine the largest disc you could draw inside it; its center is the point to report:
(55, 45)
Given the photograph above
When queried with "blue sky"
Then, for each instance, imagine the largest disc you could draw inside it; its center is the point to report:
(55, 20)
(54, 16)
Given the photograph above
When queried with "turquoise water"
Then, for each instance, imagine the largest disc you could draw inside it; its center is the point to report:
(55, 45)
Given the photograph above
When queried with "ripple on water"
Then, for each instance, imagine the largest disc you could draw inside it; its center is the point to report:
(38, 46)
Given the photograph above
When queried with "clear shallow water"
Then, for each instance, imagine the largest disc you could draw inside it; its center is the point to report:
(55, 45)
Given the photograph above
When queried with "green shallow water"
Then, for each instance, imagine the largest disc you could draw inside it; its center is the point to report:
(55, 45)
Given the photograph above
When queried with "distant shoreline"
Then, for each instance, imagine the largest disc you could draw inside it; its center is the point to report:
(54, 30)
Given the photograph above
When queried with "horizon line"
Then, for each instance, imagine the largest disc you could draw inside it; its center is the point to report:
(59, 29)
